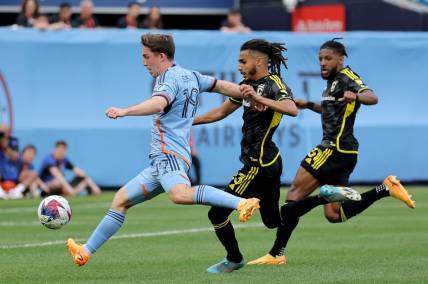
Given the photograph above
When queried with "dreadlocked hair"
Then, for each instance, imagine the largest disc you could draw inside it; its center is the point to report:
(336, 46)
(273, 50)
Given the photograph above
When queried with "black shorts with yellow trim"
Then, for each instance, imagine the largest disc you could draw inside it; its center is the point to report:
(329, 166)
(257, 181)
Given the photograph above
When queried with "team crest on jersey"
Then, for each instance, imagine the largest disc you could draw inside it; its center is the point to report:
(260, 89)
(333, 86)
(259, 92)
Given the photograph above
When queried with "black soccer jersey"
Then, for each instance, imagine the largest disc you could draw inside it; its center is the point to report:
(338, 117)
(257, 147)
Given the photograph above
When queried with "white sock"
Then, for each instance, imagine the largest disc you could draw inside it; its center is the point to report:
(3, 194)
(20, 188)
(16, 193)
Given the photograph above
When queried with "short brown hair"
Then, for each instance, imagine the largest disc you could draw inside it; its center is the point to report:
(61, 143)
(159, 43)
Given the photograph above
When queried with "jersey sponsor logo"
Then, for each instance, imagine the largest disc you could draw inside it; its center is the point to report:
(328, 98)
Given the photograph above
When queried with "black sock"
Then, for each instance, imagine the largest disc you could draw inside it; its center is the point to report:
(351, 208)
(301, 207)
(290, 213)
(226, 235)
(283, 234)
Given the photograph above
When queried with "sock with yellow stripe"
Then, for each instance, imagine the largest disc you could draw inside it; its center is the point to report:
(224, 231)
(352, 208)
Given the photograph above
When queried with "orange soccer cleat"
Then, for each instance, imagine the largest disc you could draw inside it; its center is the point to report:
(269, 260)
(246, 208)
(78, 253)
(397, 191)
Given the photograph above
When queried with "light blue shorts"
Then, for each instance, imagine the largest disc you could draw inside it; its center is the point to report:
(164, 173)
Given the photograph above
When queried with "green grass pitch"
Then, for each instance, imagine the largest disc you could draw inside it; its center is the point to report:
(165, 243)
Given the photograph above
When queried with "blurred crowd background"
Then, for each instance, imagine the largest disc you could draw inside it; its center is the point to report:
(50, 75)
(284, 15)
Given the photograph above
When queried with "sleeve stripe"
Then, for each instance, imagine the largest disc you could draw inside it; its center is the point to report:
(351, 75)
(286, 98)
(356, 79)
(363, 89)
(282, 83)
(163, 95)
(233, 100)
(213, 85)
(278, 82)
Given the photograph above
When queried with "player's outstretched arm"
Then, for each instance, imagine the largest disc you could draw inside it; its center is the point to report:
(216, 114)
(227, 88)
(302, 104)
(153, 105)
(366, 97)
(286, 106)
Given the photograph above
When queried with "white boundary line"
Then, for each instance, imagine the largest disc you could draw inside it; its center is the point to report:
(131, 236)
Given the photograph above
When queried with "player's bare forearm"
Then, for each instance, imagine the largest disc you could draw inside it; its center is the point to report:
(302, 104)
(367, 97)
(216, 114)
(153, 105)
(228, 89)
(286, 106)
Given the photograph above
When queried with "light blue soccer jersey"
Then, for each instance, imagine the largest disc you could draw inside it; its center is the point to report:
(171, 129)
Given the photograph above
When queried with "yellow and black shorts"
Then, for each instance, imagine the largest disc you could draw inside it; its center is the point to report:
(329, 166)
(256, 181)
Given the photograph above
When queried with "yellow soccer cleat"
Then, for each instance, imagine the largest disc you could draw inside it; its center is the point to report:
(78, 253)
(246, 208)
(269, 260)
(397, 191)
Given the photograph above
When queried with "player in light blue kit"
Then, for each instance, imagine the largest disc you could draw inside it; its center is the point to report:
(173, 105)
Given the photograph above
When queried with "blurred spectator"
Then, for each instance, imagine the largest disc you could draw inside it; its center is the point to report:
(53, 169)
(63, 19)
(29, 13)
(12, 185)
(234, 23)
(41, 22)
(4, 130)
(153, 21)
(26, 169)
(85, 19)
(4, 133)
(131, 19)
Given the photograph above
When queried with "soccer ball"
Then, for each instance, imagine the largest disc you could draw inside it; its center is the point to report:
(54, 212)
